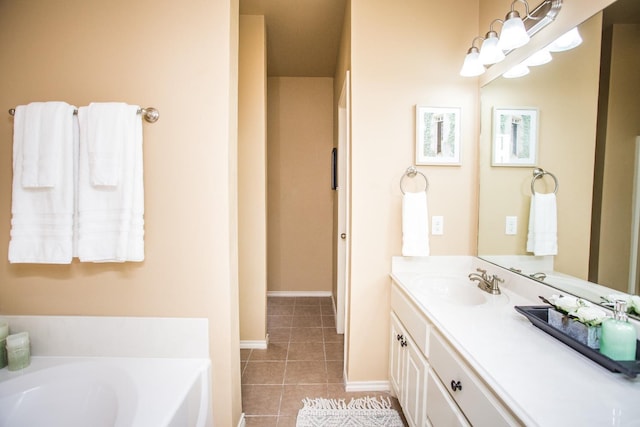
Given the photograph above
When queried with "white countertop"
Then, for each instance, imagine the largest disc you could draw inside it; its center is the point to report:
(543, 381)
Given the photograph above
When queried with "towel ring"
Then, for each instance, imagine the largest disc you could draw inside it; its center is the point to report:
(539, 173)
(411, 173)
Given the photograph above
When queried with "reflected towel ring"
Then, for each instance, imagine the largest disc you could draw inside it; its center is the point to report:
(539, 173)
(411, 173)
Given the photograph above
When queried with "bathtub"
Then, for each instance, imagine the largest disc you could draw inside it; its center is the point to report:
(101, 392)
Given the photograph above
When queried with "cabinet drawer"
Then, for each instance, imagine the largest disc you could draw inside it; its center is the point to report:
(442, 411)
(415, 323)
(474, 398)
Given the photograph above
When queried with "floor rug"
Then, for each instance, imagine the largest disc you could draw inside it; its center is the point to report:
(362, 412)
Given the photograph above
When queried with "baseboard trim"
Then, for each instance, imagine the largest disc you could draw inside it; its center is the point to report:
(299, 294)
(243, 421)
(367, 386)
(255, 344)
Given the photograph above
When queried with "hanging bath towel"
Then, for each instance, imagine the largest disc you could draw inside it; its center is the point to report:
(42, 203)
(415, 225)
(542, 238)
(110, 185)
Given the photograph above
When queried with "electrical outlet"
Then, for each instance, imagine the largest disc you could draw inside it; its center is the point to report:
(511, 225)
(437, 225)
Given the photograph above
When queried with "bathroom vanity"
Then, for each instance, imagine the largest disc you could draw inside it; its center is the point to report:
(460, 356)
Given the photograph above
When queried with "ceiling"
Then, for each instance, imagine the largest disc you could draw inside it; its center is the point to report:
(303, 36)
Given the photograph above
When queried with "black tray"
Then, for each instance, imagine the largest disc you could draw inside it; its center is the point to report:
(539, 317)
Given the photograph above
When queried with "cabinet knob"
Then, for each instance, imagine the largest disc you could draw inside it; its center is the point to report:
(456, 385)
(343, 236)
(403, 343)
(399, 337)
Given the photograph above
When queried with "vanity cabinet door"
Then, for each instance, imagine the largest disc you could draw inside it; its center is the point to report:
(396, 356)
(442, 411)
(415, 385)
(408, 372)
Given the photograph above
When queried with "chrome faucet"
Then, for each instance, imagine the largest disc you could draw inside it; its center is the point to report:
(538, 276)
(486, 283)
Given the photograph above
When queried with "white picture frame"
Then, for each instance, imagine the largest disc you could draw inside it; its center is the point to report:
(437, 135)
(515, 136)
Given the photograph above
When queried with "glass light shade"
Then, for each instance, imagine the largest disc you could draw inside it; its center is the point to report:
(517, 71)
(567, 41)
(472, 66)
(513, 34)
(540, 57)
(490, 53)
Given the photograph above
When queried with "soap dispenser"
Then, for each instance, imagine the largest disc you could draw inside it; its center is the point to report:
(619, 339)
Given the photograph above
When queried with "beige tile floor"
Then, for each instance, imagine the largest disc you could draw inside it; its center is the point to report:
(304, 359)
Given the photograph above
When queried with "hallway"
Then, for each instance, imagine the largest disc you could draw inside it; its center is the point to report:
(304, 359)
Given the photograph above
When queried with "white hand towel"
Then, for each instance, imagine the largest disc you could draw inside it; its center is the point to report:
(542, 238)
(415, 224)
(42, 217)
(44, 128)
(107, 128)
(111, 218)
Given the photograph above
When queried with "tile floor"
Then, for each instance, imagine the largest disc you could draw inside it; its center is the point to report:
(304, 359)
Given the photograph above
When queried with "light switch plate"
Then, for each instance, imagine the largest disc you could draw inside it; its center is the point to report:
(437, 225)
(511, 225)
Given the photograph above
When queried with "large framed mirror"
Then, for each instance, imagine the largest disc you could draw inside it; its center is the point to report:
(588, 128)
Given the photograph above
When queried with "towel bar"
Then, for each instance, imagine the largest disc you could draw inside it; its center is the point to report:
(150, 114)
(539, 173)
(412, 172)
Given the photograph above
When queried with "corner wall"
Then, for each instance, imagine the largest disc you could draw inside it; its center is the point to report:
(252, 178)
(403, 54)
(181, 59)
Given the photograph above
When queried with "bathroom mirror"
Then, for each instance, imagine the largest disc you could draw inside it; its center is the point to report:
(586, 138)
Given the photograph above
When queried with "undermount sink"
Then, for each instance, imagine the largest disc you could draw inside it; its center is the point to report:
(453, 290)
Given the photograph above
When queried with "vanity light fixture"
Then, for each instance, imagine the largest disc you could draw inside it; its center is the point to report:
(518, 71)
(567, 41)
(472, 66)
(490, 53)
(514, 34)
(542, 56)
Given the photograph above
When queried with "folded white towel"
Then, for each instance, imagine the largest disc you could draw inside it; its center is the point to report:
(45, 126)
(415, 224)
(108, 125)
(542, 238)
(42, 211)
(111, 218)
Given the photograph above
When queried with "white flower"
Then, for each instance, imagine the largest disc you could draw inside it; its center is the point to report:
(568, 304)
(590, 316)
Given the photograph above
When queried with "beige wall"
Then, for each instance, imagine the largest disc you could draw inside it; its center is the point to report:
(180, 59)
(300, 210)
(252, 178)
(622, 128)
(565, 92)
(403, 54)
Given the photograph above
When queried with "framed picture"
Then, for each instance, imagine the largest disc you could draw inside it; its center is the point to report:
(437, 136)
(515, 137)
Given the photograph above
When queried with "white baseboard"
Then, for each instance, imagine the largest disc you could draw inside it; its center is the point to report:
(255, 344)
(299, 294)
(243, 421)
(367, 386)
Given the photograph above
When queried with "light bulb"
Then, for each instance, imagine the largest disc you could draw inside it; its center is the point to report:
(567, 41)
(490, 53)
(513, 34)
(472, 66)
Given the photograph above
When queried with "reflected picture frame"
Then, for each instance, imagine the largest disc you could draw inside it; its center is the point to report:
(515, 136)
(437, 136)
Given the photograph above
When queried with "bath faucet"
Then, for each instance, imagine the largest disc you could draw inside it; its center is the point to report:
(486, 283)
(538, 276)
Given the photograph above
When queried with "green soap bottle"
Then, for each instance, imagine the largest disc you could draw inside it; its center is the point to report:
(619, 339)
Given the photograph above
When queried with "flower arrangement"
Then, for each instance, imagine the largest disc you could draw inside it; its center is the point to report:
(578, 309)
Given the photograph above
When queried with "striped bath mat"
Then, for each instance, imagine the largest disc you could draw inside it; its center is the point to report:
(363, 412)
